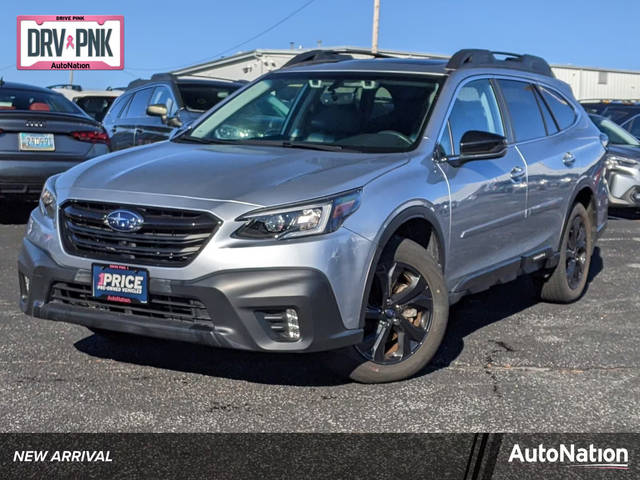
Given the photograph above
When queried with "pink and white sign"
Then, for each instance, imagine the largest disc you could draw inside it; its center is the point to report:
(70, 42)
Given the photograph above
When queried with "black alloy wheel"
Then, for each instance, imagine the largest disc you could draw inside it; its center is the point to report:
(576, 252)
(398, 314)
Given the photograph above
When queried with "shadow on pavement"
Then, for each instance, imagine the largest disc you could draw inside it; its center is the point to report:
(268, 368)
(14, 212)
(482, 309)
(470, 314)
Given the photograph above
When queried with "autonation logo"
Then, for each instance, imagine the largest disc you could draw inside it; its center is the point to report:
(572, 456)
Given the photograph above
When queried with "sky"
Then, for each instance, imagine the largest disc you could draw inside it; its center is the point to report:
(164, 35)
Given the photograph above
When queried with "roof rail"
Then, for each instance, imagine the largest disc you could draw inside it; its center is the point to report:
(326, 55)
(486, 58)
(156, 77)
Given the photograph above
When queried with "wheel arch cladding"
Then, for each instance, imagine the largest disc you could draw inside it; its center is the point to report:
(415, 223)
(585, 196)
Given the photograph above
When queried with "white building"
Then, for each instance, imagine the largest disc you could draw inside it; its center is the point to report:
(586, 82)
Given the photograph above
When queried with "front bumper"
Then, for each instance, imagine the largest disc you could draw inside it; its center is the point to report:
(235, 300)
(24, 178)
(624, 186)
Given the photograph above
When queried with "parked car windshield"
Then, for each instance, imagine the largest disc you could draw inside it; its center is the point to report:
(34, 100)
(617, 135)
(200, 98)
(328, 111)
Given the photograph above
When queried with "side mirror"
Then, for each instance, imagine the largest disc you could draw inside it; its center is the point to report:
(157, 110)
(477, 145)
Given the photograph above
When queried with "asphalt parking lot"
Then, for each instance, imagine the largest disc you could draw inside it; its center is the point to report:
(508, 364)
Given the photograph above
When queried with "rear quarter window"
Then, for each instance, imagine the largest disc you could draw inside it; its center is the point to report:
(117, 107)
(138, 105)
(562, 110)
(522, 104)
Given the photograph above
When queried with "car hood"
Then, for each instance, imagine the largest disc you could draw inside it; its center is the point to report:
(261, 176)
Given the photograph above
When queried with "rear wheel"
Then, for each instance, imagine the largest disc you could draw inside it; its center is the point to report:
(405, 319)
(568, 280)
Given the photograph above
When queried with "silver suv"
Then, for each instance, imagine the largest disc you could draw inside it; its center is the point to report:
(339, 206)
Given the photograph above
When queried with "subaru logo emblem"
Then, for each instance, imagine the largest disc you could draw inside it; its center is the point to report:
(124, 221)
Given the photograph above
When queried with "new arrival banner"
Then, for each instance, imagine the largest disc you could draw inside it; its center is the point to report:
(70, 42)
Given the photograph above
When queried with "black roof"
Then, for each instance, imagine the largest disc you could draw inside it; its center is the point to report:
(175, 79)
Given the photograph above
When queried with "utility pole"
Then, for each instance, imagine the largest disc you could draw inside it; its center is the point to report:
(376, 24)
(70, 77)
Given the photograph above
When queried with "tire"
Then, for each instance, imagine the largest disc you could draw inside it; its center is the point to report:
(400, 354)
(576, 248)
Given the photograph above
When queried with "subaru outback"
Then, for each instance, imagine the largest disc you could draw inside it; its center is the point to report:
(337, 206)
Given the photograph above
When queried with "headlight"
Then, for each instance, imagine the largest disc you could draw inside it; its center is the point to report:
(323, 216)
(614, 160)
(47, 202)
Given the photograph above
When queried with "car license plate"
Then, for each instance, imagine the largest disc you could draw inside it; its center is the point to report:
(119, 283)
(36, 142)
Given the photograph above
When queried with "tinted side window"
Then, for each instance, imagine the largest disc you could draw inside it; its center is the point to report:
(619, 114)
(138, 105)
(549, 121)
(634, 127)
(561, 108)
(523, 108)
(117, 108)
(475, 108)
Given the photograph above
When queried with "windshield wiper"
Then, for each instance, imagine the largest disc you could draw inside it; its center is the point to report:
(313, 146)
(190, 139)
(259, 142)
(205, 141)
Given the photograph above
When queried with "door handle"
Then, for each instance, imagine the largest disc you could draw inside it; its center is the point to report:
(569, 159)
(517, 173)
(137, 130)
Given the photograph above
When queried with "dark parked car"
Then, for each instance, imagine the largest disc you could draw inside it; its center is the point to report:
(625, 113)
(41, 134)
(150, 110)
(623, 163)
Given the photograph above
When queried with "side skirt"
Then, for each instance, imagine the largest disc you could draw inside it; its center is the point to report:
(504, 272)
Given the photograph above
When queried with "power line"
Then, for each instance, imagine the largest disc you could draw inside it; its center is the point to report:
(258, 35)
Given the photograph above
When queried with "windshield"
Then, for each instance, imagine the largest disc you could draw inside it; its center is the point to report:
(617, 135)
(371, 112)
(200, 98)
(33, 100)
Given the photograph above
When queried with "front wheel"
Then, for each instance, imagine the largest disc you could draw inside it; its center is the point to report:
(405, 319)
(568, 280)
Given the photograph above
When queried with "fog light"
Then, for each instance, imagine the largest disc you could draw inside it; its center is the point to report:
(293, 328)
(283, 324)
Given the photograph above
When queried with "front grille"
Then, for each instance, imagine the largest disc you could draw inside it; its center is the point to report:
(168, 307)
(168, 237)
